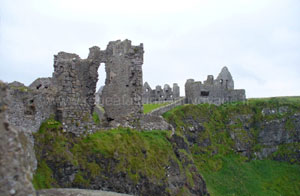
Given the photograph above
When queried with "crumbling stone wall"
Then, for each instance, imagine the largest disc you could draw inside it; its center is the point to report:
(122, 93)
(70, 94)
(41, 84)
(212, 91)
(75, 80)
(164, 109)
(30, 106)
(160, 95)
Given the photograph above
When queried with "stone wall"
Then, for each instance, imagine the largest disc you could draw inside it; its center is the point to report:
(75, 80)
(122, 93)
(212, 91)
(164, 109)
(29, 107)
(160, 94)
(70, 94)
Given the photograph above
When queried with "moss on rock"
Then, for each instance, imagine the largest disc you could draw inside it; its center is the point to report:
(122, 160)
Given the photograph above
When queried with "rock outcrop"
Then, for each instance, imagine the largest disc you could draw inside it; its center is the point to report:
(77, 192)
(16, 155)
(121, 160)
(269, 129)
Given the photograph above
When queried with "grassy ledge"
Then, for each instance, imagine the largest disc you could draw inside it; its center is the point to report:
(136, 154)
(149, 107)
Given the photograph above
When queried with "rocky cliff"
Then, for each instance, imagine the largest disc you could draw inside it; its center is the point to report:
(246, 148)
(119, 160)
(215, 150)
(256, 129)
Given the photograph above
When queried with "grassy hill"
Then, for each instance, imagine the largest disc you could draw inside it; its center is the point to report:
(224, 144)
(227, 170)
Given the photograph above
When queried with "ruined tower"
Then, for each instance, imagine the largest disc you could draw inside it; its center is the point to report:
(122, 93)
(75, 80)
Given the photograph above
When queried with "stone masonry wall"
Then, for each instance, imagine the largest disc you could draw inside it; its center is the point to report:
(122, 93)
(70, 94)
(161, 110)
(160, 94)
(76, 79)
(29, 107)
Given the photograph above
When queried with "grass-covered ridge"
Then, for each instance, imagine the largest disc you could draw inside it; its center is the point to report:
(133, 156)
(137, 153)
(222, 142)
(152, 106)
(224, 145)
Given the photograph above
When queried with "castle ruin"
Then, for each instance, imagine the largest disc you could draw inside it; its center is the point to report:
(213, 91)
(160, 95)
(70, 93)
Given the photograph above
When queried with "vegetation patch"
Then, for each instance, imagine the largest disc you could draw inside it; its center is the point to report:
(43, 178)
(96, 118)
(149, 107)
(257, 177)
(135, 155)
(224, 142)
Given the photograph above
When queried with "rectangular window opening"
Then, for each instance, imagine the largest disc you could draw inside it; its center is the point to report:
(205, 93)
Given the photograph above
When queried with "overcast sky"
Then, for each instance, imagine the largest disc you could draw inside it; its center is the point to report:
(258, 40)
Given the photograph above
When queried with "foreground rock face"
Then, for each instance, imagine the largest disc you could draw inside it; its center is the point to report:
(76, 192)
(121, 160)
(16, 165)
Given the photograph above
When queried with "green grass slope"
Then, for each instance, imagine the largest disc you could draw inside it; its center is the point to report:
(120, 160)
(253, 178)
(225, 170)
(137, 157)
(149, 107)
(137, 153)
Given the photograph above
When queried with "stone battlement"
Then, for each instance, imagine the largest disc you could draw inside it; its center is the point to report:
(160, 94)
